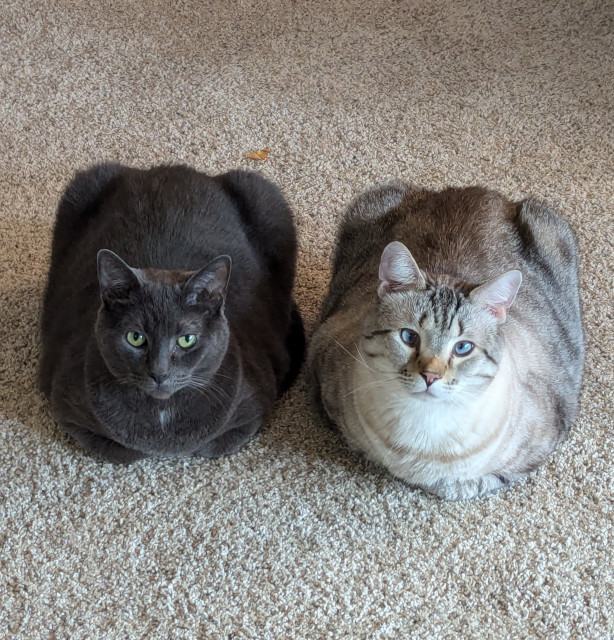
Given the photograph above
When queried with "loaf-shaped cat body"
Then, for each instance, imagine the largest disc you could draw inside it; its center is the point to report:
(449, 348)
(168, 323)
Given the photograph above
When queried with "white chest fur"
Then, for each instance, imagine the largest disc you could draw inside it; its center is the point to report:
(165, 416)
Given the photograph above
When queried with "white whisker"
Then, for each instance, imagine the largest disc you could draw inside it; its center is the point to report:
(360, 354)
(373, 383)
(222, 375)
(364, 364)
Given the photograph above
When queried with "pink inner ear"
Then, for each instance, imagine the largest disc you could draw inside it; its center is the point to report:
(498, 294)
(498, 312)
(398, 270)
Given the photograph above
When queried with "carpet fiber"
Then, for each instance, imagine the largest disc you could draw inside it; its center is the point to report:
(295, 536)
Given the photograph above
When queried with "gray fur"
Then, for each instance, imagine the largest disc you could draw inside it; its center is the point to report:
(163, 254)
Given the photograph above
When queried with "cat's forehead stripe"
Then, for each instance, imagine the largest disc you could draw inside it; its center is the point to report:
(442, 307)
(459, 302)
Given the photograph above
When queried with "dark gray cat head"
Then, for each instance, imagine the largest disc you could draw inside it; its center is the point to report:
(440, 338)
(162, 331)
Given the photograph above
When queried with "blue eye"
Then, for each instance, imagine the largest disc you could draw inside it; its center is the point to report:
(463, 348)
(410, 338)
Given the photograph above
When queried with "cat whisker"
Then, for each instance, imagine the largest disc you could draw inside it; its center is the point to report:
(198, 380)
(206, 387)
(222, 375)
(454, 401)
(361, 362)
(131, 380)
(209, 384)
(360, 354)
(373, 383)
(207, 393)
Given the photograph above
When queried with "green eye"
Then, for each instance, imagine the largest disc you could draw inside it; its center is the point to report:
(185, 342)
(135, 338)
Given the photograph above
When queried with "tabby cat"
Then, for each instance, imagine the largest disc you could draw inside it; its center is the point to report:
(449, 348)
(168, 325)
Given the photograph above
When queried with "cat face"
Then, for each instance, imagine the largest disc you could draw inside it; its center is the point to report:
(162, 331)
(437, 341)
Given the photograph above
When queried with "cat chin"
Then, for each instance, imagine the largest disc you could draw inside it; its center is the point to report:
(429, 394)
(160, 394)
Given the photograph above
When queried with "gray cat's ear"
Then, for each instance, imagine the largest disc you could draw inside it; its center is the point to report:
(398, 270)
(498, 295)
(210, 283)
(115, 277)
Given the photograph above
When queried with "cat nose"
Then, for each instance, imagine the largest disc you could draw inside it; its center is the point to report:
(159, 378)
(430, 377)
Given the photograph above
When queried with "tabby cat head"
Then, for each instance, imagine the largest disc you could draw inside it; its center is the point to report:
(439, 339)
(162, 331)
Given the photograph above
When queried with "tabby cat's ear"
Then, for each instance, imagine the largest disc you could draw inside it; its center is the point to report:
(115, 277)
(498, 295)
(210, 283)
(398, 270)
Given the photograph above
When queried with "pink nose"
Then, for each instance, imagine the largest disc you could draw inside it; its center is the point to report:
(430, 377)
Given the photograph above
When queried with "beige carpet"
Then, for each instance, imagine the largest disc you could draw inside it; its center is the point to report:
(294, 537)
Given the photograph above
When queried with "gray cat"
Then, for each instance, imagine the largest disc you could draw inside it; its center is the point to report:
(151, 346)
(430, 356)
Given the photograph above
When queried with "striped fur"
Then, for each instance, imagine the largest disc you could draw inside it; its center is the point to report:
(456, 425)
